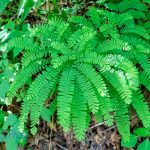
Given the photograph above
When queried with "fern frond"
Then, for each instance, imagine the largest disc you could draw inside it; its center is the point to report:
(123, 19)
(143, 60)
(105, 13)
(65, 97)
(37, 30)
(23, 43)
(94, 77)
(92, 64)
(61, 30)
(105, 108)
(125, 5)
(142, 108)
(118, 80)
(127, 67)
(37, 93)
(81, 38)
(32, 56)
(139, 5)
(79, 113)
(136, 14)
(138, 30)
(140, 45)
(60, 61)
(144, 80)
(87, 88)
(25, 74)
(113, 44)
(109, 29)
(50, 30)
(60, 47)
(80, 20)
(117, 61)
(94, 16)
(122, 118)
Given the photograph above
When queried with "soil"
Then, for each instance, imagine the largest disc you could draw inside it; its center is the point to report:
(96, 139)
(99, 137)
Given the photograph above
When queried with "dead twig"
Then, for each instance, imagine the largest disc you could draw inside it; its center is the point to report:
(63, 148)
(99, 124)
(50, 142)
(112, 127)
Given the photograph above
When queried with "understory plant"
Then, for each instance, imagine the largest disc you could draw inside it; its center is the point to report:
(93, 64)
(9, 132)
(138, 133)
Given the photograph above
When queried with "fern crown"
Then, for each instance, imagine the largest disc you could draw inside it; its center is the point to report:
(85, 66)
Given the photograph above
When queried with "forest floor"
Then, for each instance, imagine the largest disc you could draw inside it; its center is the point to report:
(98, 137)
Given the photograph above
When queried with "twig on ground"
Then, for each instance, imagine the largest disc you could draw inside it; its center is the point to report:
(63, 148)
(99, 124)
(50, 142)
(112, 127)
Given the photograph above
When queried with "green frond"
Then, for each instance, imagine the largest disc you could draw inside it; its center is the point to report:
(136, 14)
(38, 102)
(80, 20)
(79, 113)
(125, 5)
(87, 88)
(105, 108)
(62, 29)
(142, 108)
(123, 19)
(140, 45)
(106, 62)
(23, 43)
(127, 67)
(26, 74)
(109, 29)
(65, 97)
(31, 56)
(81, 38)
(95, 78)
(41, 28)
(122, 118)
(53, 30)
(94, 16)
(63, 60)
(139, 5)
(138, 30)
(113, 44)
(144, 80)
(121, 114)
(143, 60)
(60, 47)
(105, 13)
(119, 81)
(38, 30)
(38, 92)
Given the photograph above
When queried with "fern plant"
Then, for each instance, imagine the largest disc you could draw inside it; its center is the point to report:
(89, 64)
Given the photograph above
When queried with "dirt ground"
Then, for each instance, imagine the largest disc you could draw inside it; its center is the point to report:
(98, 137)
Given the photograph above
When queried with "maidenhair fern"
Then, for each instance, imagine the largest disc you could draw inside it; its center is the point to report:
(90, 65)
